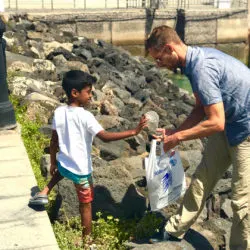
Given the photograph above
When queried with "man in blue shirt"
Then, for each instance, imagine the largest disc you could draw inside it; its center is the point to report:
(221, 85)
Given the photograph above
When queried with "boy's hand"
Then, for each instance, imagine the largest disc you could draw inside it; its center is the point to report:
(114, 136)
(53, 169)
(142, 124)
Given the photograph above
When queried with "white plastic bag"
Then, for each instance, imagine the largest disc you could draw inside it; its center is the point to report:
(165, 176)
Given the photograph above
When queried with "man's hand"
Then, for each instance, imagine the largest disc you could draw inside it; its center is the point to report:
(53, 169)
(168, 137)
(162, 132)
(170, 142)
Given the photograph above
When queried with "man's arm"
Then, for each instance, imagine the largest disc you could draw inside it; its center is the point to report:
(53, 150)
(114, 136)
(196, 116)
(215, 123)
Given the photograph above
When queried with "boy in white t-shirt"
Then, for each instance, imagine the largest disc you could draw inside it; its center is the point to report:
(73, 131)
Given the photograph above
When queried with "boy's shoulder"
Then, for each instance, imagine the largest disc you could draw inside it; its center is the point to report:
(61, 107)
(85, 114)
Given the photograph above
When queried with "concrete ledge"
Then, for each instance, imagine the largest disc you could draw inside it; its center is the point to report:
(21, 227)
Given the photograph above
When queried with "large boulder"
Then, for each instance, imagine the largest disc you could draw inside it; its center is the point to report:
(113, 150)
(22, 86)
(13, 57)
(44, 69)
(40, 106)
(51, 46)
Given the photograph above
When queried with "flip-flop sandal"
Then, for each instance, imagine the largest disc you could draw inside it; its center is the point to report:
(39, 199)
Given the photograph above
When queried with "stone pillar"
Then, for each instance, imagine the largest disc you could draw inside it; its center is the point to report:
(7, 115)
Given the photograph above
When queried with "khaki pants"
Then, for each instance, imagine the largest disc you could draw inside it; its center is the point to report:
(218, 156)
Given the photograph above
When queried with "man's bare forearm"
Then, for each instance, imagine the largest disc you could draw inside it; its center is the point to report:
(215, 123)
(201, 130)
(196, 116)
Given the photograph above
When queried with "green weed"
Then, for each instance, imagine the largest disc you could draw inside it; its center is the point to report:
(108, 233)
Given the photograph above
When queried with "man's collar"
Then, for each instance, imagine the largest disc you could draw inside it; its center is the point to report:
(186, 69)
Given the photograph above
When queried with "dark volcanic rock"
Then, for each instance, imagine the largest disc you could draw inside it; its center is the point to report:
(61, 51)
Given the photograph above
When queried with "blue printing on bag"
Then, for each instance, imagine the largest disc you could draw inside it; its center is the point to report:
(167, 180)
(159, 171)
(173, 162)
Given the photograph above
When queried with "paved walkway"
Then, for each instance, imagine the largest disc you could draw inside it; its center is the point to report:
(21, 227)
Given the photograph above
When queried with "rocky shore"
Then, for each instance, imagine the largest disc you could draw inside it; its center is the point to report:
(37, 57)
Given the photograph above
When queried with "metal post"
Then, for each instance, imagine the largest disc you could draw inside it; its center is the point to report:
(16, 4)
(42, 4)
(7, 115)
(85, 4)
(74, 4)
(105, 4)
(9, 4)
(154, 4)
(52, 5)
(117, 4)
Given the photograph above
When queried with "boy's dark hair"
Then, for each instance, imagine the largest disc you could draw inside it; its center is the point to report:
(160, 36)
(76, 79)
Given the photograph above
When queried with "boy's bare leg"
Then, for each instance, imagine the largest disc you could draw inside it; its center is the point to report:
(53, 181)
(86, 218)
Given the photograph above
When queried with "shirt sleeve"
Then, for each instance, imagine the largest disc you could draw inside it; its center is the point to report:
(207, 83)
(93, 126)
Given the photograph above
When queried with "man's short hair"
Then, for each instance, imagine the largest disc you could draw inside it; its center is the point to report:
(160, 36)
(76, 79)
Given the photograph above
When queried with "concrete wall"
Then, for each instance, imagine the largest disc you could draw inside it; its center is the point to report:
(119, 27)
(63, 4)
(217, 28)
(226, 30)
(131, 26)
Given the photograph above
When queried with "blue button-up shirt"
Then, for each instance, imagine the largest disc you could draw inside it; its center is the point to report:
(217, 77)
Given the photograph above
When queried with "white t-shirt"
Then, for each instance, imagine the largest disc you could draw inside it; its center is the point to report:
(76, 128)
